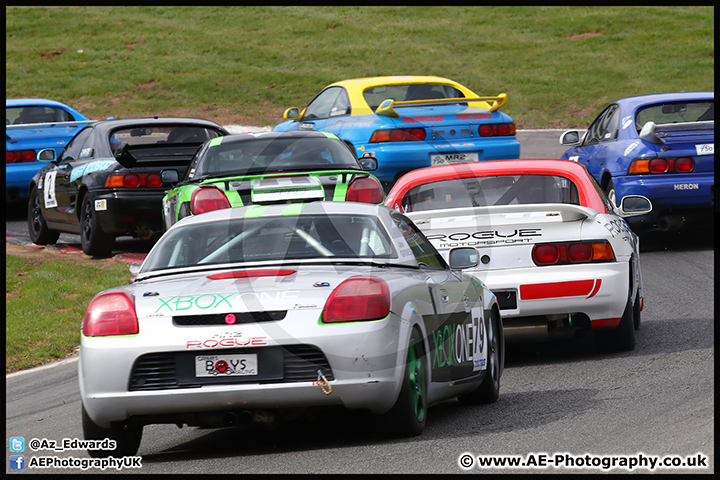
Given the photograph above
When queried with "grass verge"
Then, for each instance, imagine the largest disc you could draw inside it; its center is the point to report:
(45, 299)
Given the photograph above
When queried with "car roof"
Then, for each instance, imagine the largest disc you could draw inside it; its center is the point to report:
(244, 137)
(129, 122)
(392, 80)
(649, 99)
(564, 168)
(286, 210)
(19, 102)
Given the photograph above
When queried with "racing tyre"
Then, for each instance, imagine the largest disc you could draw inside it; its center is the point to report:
(127, 437)
(610, 193)
(94, 241)
(636, 312)
(622, 337)
(40, 234)
(489, 389)
(408, 416)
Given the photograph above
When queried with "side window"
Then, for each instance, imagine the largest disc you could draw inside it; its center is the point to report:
(322, 105)
(424, 252)
(597, 129)
(342, 105)
(74, 148)
(610, 124)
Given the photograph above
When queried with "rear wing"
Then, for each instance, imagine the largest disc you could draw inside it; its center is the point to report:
(48, 124)
(538, 212)
(387, 107)
(665, 132)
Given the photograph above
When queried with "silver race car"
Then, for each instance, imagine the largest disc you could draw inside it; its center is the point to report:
(246, 313)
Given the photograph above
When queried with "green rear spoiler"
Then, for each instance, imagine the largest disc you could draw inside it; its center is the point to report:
(387, 109)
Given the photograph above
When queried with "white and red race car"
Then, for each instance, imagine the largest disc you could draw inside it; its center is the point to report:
(548, 243)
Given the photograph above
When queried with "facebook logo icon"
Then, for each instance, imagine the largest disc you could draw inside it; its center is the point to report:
(17, 462)
(17, 444)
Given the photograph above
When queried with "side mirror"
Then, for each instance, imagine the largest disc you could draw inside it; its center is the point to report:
(291, 114)
(570, 138)
(464, 257)
(169, 176)
(46, 155)
(634, 205)
(368, 163)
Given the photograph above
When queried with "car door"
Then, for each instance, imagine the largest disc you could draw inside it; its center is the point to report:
(329, 104)
(593, 151)
(59, 194)
(456, 331)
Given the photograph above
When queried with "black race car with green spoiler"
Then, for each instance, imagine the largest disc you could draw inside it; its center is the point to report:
(269, 168)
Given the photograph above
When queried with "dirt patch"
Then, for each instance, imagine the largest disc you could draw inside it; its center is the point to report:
(44, 255)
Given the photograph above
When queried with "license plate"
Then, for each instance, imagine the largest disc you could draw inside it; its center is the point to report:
(706, 149)
(449, 158)
(226, 365)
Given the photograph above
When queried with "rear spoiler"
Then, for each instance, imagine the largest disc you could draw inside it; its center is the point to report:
(661, 133)
(565, 211)
(387, 109)
(48, 124)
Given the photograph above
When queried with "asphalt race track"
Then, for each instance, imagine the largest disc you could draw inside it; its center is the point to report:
(562, 401)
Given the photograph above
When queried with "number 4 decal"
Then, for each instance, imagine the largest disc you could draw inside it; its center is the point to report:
(50, 200)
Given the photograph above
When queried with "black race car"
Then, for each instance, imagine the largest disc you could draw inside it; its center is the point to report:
(107, 181)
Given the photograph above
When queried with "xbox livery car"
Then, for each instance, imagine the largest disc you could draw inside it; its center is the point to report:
(269, 168)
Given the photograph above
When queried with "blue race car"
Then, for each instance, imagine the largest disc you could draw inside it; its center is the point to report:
(31, 125)
(410, 122)
(661, 146)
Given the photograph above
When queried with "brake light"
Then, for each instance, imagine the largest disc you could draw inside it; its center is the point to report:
(544, 254)
(662, 165)
(398, 135)
(134, 180)
(110, 314)
(251, 273)
(365, 190)
(20, 156)
(497, 129)
(358, 299)
(207, 200)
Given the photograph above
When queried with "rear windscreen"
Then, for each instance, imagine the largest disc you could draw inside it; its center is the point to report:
(489, 191)
(675, 112)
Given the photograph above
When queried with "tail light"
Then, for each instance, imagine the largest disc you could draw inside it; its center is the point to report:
(358, 299)
(365, 190)
(20, 156)
(572, 252)
(497, 129)
(110, 314)
(662, 165)
(398, 135)
(133, 180)
(207, 200)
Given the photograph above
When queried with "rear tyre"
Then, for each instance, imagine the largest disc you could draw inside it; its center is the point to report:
(636, 312)
(94, 241)
(489, 389)
(127, 437)
(622, 337)
(610, 193)
(408, 416)
(39, 232)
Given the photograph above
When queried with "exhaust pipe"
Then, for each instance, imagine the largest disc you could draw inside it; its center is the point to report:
(525, 329)
(671, 223)
(232, 419)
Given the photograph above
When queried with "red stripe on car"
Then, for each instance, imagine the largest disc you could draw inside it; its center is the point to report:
(556, 289)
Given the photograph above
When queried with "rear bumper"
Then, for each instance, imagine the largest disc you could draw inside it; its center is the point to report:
(680, 193)
(18, 176)
(401, 157)
(138, 213)
(599, 291)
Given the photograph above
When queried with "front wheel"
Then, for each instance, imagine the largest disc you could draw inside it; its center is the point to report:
(94, 241)
(39, 232)
(127, 437)
(489, 389)
(408, 416)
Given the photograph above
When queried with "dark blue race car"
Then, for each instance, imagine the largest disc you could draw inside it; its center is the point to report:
(661, 146)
